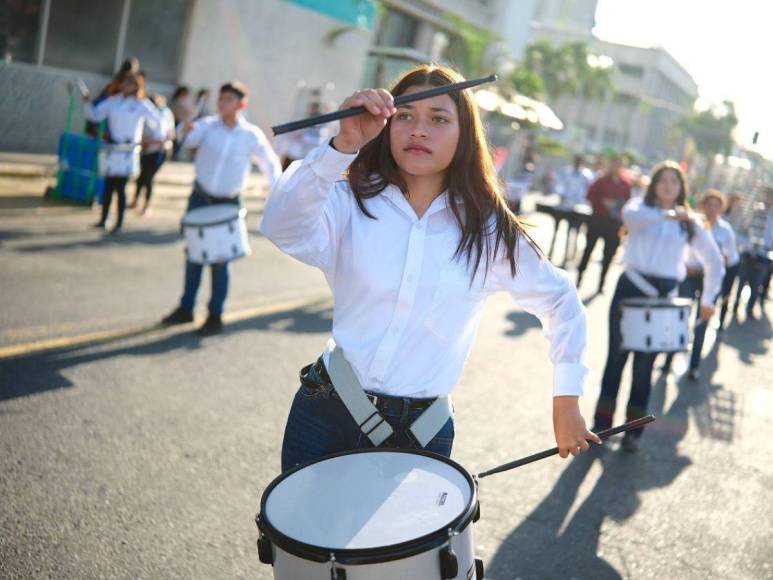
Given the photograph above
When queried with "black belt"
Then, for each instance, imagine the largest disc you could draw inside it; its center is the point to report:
(384, 403)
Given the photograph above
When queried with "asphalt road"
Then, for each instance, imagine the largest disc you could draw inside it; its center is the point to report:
(129, 451)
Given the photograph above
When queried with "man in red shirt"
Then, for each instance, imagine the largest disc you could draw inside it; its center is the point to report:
(607, 195)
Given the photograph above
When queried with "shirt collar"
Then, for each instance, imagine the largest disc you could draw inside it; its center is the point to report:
(396, 196)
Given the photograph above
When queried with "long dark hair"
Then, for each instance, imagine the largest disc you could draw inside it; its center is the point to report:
(650, 198)
(470, 177)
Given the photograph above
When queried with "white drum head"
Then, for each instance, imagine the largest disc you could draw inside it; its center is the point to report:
(368, 500)
(213, 214)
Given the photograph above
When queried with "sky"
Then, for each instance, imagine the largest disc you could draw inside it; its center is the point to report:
(726, 46)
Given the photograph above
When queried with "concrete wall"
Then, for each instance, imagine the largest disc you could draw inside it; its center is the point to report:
(33, 105)
(272, 46)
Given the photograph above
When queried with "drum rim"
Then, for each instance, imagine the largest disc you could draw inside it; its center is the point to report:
(242, 213)
(642, 302)
(381, 554)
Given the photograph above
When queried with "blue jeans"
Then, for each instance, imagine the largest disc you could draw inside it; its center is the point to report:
(641, 384)
(220, 273)
(731, 273)
(320, 425)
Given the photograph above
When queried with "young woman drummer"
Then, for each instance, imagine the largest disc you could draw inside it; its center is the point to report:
(403, 214)
(660, 228)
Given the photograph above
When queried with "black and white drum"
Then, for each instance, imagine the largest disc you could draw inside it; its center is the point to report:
(374, 514)
(120, 160)
(216, 233)
(655, 324)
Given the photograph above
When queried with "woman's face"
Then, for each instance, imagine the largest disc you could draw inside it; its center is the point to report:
(128, 86)
(712, 208)
(667, 188)
(424, 134)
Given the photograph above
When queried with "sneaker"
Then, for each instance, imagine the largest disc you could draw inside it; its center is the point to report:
(179, 316)
(692, 375)
(630, 443)
(213, 325)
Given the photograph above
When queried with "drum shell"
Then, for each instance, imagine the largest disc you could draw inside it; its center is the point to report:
(213, 243)
(655, 327)
(419, 557)
(425, 565)
(120, 160)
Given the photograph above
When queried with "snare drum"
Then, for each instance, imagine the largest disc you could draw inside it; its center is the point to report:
(120, 160)
(216, 233)
(371, 514)
(655, 324)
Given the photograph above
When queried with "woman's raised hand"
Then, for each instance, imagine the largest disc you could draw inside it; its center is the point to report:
(357, 131)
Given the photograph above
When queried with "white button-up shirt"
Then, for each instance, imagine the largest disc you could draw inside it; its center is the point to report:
(573, 185)
(225, 154)
(126, 117)
(724, 236)
(657, 246)
(405, 312)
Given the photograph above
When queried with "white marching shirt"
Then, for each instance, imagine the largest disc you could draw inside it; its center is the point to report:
(658, 246)
(405, 312)
(225, 155)
(126, 117)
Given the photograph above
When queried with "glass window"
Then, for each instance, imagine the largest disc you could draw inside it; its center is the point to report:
(397, 29)
(155, 36)
(19, 23)
(83, 34)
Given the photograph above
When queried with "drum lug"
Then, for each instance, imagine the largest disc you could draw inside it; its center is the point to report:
(265, 553)
(336, 573)
(479, 569)
(449, 563)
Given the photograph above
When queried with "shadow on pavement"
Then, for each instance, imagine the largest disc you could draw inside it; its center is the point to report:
(522, 321)
(45, 371)
(748, 338)
(124, 238)
(546, 545)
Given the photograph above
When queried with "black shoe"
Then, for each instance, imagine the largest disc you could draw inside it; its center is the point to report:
(213, 325)
(99, 225)
(630, 443)
(692, 375)
(179, 316)
(115, 230)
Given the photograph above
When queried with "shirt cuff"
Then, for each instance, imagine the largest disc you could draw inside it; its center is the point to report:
(569, 379)
(328, 163)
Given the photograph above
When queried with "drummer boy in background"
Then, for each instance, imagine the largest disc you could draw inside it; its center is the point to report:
(660, 228)
(226, 145)
(404, 214)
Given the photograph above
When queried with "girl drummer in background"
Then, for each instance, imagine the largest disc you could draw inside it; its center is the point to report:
(660, 228)
(127, 113)
(714, 205)
(403, 213)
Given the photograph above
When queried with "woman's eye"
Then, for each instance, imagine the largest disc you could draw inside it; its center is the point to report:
(403, 116)
(440, 120)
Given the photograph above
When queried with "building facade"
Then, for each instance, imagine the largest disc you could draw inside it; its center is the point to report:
(287, 51)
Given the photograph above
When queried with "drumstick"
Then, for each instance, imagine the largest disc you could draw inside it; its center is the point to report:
(401, 100)
(550, 452)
